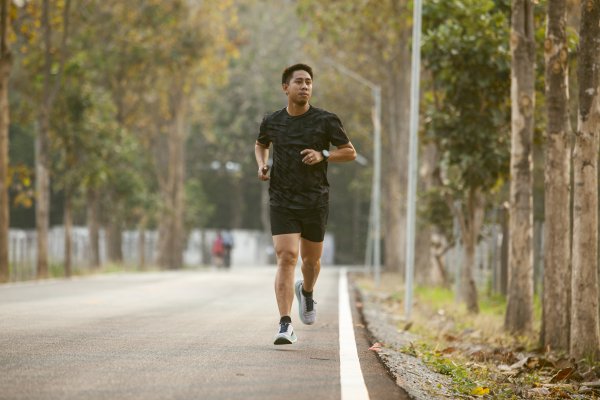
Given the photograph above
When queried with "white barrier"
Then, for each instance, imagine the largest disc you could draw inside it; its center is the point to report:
(251, 247)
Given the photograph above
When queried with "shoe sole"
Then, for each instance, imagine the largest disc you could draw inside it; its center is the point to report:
(284, 340)
(298, 296)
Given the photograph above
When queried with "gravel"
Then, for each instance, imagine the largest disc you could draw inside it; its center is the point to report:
(409, 372)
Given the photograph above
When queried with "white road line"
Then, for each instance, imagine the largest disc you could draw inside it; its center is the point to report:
(351, 378)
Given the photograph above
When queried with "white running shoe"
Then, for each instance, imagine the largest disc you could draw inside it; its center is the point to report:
(306, 305)
(286, 334)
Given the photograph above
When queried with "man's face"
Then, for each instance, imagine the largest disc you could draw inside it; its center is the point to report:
(299, 89)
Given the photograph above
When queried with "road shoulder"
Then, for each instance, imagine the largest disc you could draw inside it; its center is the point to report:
(409, 372)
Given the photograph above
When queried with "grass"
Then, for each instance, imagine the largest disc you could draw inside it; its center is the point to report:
(470, 348)
(57, 270)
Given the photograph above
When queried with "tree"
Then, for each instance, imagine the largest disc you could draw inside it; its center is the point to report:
(50, 89)
(373, 39)
(585, 338)
(557, 268)
(5, 66)
(519, 311)
(466, 117)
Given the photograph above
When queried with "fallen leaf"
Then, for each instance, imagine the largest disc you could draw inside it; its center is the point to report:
(376, 347)
(448, 350)
(480, 391)
(562, 375)
(563, 363)
(450, 338)
(532, 362)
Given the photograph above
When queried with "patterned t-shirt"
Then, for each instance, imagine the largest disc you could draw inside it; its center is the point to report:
(294, 184)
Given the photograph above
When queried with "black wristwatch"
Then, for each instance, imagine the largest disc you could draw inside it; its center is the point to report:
(325, 155)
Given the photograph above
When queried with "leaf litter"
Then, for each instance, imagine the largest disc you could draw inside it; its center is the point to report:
(480, 361)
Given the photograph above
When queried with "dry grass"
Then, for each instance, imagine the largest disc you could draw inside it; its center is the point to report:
(483, 360)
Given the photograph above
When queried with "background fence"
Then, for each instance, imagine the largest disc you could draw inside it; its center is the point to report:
(250, 248)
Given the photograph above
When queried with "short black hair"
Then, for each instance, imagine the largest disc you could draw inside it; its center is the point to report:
(289, 71)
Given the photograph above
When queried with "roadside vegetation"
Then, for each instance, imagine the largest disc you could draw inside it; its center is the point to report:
(481, 359)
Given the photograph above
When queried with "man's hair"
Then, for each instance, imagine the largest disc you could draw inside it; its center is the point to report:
(289, 71)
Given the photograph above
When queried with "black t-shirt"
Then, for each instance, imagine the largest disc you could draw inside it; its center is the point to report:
(293, 183)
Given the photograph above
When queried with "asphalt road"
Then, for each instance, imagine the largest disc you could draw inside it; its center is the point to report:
(172, 335)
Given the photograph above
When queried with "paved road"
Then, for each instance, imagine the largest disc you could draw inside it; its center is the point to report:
(172, 335)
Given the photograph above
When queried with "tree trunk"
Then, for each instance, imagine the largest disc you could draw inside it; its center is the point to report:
(114, 239)
(173, 193)
(42, 149)
(470, 228)
(503, 281)
(429, 269)
(93, 227)
(68, 221)
(557, 172)
(585, 338)
(519, 310)
(42, 205)
(395, 180)
(142, 243)
(5, 66)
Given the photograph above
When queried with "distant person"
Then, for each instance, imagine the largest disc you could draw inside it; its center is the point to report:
(218, 251)
(299, 192)
(228, 248)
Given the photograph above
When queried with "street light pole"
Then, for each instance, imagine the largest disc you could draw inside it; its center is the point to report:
(374, 237)
(413, 154)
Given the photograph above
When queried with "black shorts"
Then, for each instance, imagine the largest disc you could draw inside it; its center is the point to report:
(310, 224)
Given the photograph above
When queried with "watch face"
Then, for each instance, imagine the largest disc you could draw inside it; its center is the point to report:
(325, 153)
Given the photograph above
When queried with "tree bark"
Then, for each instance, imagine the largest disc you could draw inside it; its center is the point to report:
(173, 193)
(519, 311)
(557, 173)
(93, 228)
(42, 148)
(395, 181)
(142, 243)
(42, 204)
(5, 66)
(114, 240)
(470, 225)
(585, 337)
(68, 222)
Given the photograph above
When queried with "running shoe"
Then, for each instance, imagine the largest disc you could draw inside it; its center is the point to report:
(306, 305)
(286, 334)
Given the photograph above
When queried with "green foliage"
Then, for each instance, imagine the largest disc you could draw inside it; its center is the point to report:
(465, 49)
(465, 380)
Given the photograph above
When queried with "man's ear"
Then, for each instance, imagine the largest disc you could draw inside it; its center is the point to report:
(285, 86)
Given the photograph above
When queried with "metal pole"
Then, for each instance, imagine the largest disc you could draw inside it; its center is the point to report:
(413, 154)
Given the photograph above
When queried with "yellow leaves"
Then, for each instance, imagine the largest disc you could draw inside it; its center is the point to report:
(480, 391)
(23, 199)
(19, 181)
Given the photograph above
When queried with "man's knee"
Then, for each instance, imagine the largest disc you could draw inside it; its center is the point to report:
(287, 257)
(311, 262)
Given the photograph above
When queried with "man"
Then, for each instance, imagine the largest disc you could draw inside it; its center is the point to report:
(299, 192)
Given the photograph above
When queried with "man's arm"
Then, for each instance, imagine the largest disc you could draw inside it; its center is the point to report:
(342, 153)
(262, 157)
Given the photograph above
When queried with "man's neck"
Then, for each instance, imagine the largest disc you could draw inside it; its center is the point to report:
(294, 109)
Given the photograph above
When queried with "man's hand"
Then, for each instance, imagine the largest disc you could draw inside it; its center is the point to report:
(263, 173)
(311, 157)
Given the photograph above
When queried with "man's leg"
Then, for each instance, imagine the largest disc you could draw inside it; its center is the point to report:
(286, 249)
(311, 262)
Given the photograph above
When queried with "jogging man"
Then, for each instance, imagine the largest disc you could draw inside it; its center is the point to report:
(299, 192)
